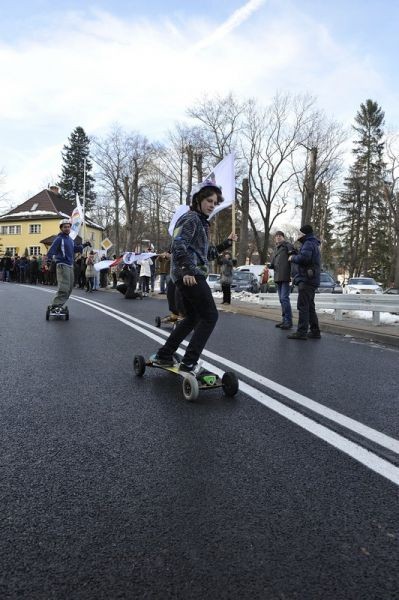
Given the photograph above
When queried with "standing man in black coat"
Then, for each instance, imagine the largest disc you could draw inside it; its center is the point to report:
(282, 276)
(307, 279)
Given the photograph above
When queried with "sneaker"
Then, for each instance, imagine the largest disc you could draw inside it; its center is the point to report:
(162, 362)
(193, 369)
(297, 336)
(279, 324)
(314, 335)
(286, 326)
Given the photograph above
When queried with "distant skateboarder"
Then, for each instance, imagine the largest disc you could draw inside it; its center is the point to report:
(62, 250)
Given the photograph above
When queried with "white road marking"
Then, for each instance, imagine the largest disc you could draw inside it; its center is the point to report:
(357, 452)
(365, 431)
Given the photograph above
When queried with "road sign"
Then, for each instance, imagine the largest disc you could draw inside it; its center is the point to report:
(106, 244)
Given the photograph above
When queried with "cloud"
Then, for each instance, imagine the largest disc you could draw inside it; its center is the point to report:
(237, 18)
(94, 70)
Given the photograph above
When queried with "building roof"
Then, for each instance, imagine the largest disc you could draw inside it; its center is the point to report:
(47, 204)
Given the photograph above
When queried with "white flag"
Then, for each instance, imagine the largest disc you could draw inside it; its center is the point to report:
(222, 176)
(76, 219)
(181, 210)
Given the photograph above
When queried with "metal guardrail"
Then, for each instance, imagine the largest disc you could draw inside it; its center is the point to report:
(375, 303)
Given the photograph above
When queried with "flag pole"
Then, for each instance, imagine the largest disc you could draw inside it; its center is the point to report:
(233, 223)
(84, 199)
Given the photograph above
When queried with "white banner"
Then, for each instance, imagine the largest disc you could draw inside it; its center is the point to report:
(223, 176)
(76, 219)
(130, 257)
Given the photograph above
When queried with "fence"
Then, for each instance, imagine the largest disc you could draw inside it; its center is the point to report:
(375, 303)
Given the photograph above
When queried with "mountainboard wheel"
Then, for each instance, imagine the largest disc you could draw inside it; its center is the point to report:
(157, 321)
(230, 383)
(190, 388)
(139, 365)
(48, 314)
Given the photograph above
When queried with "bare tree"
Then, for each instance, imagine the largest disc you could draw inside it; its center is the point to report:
(220, 119)
(124, 161)
(323, 145)
(271, 138)
(110, 154)
(182, 157)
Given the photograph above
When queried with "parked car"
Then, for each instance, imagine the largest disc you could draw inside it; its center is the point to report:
(213, 280)
(245, 281)
(328, 284)
(362, 285)
(255, 269)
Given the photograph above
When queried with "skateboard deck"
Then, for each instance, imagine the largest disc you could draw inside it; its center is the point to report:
(192, 384)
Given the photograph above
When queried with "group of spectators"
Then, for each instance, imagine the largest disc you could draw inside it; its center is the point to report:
(36, 270)
(27, 269)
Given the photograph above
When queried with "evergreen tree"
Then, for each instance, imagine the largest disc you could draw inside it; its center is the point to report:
(72, 180)
(362, 203)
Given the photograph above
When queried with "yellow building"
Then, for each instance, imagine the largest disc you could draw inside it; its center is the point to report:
(32, 226)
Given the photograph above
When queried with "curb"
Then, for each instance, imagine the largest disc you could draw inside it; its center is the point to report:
(358, 329)
(349, 327)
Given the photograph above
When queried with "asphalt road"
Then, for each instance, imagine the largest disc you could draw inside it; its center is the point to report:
(113, 487)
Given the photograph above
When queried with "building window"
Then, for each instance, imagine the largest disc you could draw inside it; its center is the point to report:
(34, 206)
(11, 250)
(35, 228)
(11, 229)
(34, 250)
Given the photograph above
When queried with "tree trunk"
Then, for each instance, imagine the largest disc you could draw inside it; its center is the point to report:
(117, 224)
(243, 240)
(309, 188)
(198, 165)
(190, 165)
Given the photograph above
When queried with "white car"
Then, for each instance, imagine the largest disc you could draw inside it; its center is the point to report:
(257, 270)
(362, 285)
(213, 280)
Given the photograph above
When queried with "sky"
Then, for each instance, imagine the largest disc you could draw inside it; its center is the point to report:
(93, 64)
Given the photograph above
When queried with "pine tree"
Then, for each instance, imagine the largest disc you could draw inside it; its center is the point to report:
(72, 180)
(361, 203)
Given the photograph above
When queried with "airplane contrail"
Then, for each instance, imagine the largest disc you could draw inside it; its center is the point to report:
(239, 16)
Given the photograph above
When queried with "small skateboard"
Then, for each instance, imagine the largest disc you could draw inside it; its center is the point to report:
(59, 312)
(192, 384)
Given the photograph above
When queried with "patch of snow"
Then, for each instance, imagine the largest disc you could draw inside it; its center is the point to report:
(29, 213)
(386, 318)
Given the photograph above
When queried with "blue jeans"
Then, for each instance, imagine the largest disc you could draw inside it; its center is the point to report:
(283, 289)
(162, 282)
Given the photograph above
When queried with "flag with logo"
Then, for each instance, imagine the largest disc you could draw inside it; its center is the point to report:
(76, 218)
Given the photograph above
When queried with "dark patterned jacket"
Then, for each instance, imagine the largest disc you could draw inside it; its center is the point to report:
(191, 250)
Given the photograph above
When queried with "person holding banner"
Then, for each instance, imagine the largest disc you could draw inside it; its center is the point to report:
(191, 252)
(63, 250)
